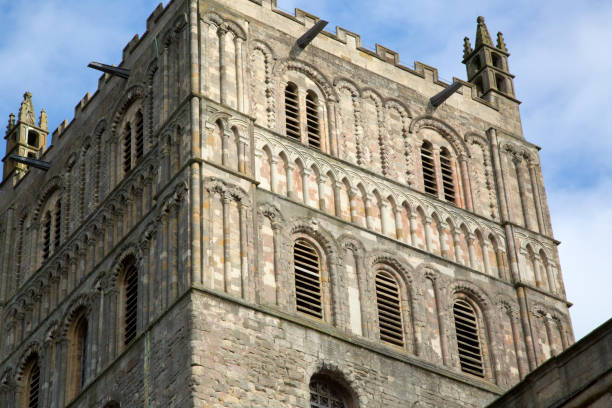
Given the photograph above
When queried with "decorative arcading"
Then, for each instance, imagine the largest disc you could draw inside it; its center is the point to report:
(81, 302)
(266, 51)
(380, 129)
(445, 130)
(133, 94)
(345, 84)
(310, 71)
(475, 139)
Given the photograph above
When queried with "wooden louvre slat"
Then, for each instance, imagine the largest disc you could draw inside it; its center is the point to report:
(468, 343)
(292, 114)
(312, 121)
(139, 136)
(307, 279)
(389, 311)
(47, 237)
(447, 176)
(34, 391)
(131, 304)
(429, 169)
(58, 225)
(127, 148)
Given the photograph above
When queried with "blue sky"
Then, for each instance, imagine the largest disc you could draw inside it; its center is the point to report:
(559, 53)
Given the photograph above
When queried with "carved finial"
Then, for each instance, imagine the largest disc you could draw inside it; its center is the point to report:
(11, 122)
(43, 122)
(501, 44)
(467, 47)
(482, 34)
(26, 111)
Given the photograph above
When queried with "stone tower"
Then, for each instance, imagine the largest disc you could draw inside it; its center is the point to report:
(487, 65)
(25, 138)
(247, 223)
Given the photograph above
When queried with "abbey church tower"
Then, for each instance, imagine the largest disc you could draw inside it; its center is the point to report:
(242, 220)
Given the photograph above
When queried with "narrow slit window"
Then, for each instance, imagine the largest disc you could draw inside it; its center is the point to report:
(127, 148)
(33, 385)
(468, 342)
(292, 112)
(429, 169)
(47, 236)
(447, 175)
(312, 120)
(139, 136)
(389, 310)
(307, 279)
(57, 233)
(131, 303)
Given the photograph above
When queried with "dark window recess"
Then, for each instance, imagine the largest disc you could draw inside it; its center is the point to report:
(47, 236)
(34, 386)
(447, 175)
(292, 113)
(429, 169)
(82, 352)
(312, 120)
(58, 225)
(389, 311)
(131, 304)
(139, 136)
(466, 327)
(32, 138)
(127, 148)
(307, 279)
(325, 395)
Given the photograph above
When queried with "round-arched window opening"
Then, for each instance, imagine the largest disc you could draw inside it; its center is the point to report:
(500, 82)
(496, 59)
(32, 138)
(476, 65)
(325, 392)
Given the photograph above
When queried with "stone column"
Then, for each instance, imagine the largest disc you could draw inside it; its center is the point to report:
(413, 230)
(244, 256)
(399, 231)
(321, 182)
(305, 177)
(536, 270)
(222, 32)
(444, 249)
(227, 263)
(536, 197)
(338, 202)
(485, 257)
(239, 74)
(384, 222)
(465, 178)
(289, 176)
(428, 233)
(457, 246)
(521, 186)
(470, 241)
(368, 211)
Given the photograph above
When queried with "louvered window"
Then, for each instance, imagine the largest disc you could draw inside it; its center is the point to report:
(292, 112)
(131, 303)
(307, 279)
(47, 236)
(34, 385)
(389, 311)
(57, 233)
(127, 148)
(139, 136)
(429, 169)
(324, 394)
(447, 175)
(466, 327)
(312, 120)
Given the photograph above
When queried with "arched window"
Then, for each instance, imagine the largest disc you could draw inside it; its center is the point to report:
(496, 59)
(307, 279)
(312, 120)
(139, 136)
(46, 236)
(33, 138)
(127, 148)
(31, 395)
(500, 82)
(468, 341)
(429, 169)
(447, 175)
(479, 86)
(77, 357)
(389, 310)
(327, 393)
(292, 112)
(129, 293)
